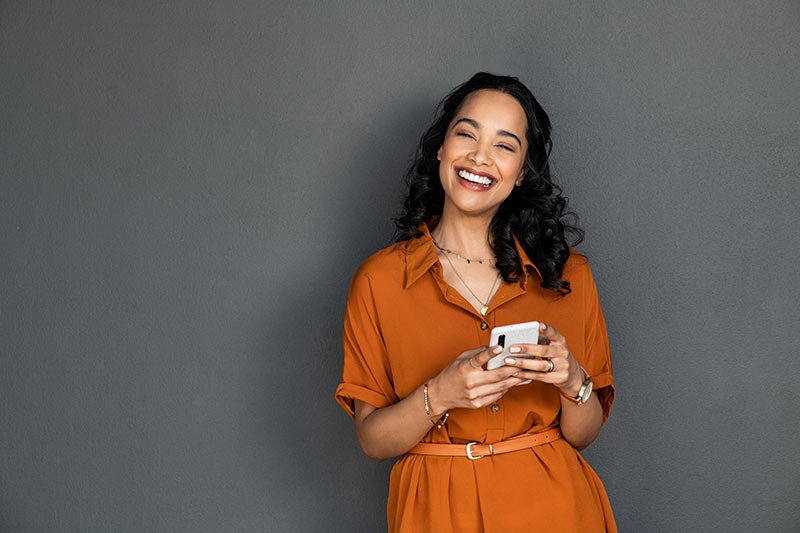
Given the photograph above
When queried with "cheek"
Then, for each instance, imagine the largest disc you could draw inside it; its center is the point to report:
(514, 168)
(443, 171)
(511, 174)
(446, 157)
(446, 151)
(510, 170)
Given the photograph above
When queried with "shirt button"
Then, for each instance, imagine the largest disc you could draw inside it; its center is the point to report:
(495, 407)
(484, 326)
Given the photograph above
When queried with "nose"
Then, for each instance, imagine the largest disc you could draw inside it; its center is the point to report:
(480, 154)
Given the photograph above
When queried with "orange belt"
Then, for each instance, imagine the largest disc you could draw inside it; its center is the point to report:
(476, 450)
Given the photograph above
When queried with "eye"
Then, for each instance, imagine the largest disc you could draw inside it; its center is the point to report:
(465, 134)
(505, 147)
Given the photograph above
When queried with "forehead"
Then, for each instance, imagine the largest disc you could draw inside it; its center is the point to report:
(494, 110)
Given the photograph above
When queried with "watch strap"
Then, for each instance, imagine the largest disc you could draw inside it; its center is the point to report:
(579, 400)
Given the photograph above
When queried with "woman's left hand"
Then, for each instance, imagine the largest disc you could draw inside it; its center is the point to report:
(556, 366)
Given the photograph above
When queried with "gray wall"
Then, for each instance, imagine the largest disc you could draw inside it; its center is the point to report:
(188, 186)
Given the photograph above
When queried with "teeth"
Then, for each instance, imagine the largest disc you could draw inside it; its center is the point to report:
(469, 176)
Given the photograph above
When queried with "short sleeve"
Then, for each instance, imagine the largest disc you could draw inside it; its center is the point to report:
(598, 354)
(366, 374)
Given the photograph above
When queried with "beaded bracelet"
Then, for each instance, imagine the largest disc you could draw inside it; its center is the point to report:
(442, 421)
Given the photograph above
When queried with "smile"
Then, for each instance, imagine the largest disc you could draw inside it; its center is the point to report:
(474, 178)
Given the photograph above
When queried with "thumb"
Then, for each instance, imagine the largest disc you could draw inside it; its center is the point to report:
(485, 354)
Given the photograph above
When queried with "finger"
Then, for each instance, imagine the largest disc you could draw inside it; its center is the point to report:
(496, 375)
(471, 353)
(544, 377)
(500, 387)
(537, 350)
(536, 365)
(558, 376)
(488, 377)
(551, 333)
(485, 354)
(487, 400)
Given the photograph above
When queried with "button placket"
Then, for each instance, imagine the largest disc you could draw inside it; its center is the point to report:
(495, 427)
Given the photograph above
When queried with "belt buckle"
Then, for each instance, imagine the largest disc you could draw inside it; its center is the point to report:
(469, 452)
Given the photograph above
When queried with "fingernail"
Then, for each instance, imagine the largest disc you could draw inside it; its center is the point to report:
(497, 350)
(514, 349)
(510, 361)
(543, 326)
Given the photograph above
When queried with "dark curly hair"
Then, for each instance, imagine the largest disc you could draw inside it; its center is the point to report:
(535, 212)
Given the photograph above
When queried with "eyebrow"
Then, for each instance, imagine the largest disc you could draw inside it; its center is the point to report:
(475, 124)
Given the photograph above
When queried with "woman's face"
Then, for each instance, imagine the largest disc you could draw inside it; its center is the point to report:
(483, 153)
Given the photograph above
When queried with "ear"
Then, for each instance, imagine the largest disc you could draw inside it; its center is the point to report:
(439, 154)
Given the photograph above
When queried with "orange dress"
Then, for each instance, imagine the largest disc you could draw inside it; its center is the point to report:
(403, 324)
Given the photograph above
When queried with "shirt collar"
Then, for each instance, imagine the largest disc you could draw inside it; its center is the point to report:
(421, 256)
(527, 264)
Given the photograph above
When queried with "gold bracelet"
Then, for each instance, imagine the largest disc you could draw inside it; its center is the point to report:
(442, 421)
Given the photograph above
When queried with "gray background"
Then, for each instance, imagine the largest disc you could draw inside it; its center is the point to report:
(188, 187)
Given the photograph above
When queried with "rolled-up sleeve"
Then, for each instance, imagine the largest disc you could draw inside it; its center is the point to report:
(366, 374)
(597, 354)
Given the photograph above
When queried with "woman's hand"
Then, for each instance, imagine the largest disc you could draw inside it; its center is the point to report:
(556, 366)
(395, 429)
(580, 424)
(464, 382)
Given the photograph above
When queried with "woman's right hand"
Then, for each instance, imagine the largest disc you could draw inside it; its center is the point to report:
(465, 383)
(393, 430)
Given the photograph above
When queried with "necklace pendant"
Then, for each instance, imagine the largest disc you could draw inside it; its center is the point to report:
(484, 309)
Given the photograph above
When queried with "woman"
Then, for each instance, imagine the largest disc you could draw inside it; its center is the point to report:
(482, 243)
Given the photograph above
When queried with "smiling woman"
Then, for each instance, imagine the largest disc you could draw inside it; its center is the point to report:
(480, 154)
(482, 243)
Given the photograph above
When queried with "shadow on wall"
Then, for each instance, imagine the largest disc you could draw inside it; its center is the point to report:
(310, 440)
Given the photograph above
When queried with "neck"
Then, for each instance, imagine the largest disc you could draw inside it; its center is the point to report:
(468, 235)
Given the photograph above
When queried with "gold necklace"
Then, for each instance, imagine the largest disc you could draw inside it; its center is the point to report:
(484, 306)
(458, 255)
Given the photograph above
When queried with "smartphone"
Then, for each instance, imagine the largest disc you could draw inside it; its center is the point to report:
(505, 336)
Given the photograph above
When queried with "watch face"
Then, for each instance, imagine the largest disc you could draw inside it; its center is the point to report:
(587, 391)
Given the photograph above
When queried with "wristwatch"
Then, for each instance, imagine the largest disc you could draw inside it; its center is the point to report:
(585, 391)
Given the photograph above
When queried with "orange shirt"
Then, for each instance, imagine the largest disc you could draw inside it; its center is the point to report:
(403, 324)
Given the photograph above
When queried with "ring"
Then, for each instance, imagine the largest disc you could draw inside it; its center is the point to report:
(552, 366)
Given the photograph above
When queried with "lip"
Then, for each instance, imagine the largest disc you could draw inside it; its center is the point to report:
(475, 187)
(476, 172)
